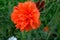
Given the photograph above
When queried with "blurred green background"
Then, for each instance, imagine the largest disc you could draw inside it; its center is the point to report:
(50, 16)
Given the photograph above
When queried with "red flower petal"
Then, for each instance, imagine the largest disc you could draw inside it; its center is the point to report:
(26, 16)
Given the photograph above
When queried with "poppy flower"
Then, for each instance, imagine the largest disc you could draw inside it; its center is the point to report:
(46, 29)
(26, 16)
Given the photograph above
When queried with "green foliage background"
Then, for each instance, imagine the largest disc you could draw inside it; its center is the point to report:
(50, 16)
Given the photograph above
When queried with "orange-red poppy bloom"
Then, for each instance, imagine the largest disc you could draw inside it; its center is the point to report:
(26, 16)
(46, 29)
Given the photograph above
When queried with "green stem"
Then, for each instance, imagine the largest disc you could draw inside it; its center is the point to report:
(23, 36)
